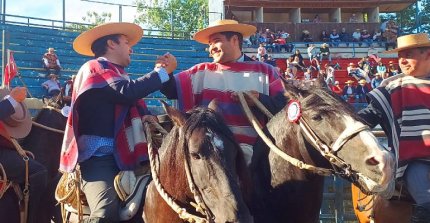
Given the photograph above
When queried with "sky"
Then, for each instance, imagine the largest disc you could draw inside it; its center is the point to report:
(75, 9)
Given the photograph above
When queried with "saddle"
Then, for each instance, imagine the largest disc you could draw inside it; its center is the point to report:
(129, 187)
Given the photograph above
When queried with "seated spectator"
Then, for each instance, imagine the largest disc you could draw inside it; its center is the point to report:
(289, 47)
(344, 36)
(52, 85)
(353, 18)
(290, 65)
(261, 51)
(316, 19)
(366, 37)
(377, 37)
(67, 90)
(381, 69)
(361, 90)
(254, 40)
(270, 61)
(308, 74)
(289, 73)
(349, 90)
(357, 72)
(376, 81)
(325, 52)
(329, 70)
(306, 37)
(51, 63)
(315, 64)
(393, 69)
(324, 37)
(311, 52)
(336, 88)
(390, 34)
(298, 58)
(334, 38)
(356, 37)
(280, 44)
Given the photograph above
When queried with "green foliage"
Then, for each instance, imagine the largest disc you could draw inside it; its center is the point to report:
(180, 17)
(90, 20)
(409, 21)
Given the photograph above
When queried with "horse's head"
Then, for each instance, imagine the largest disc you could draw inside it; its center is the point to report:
(338, 132)
(214, 163)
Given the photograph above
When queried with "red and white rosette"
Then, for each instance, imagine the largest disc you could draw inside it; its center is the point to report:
(294, 111)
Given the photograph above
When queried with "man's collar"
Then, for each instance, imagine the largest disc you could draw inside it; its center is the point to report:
(241, 58)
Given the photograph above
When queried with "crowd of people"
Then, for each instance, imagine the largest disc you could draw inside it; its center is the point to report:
(103, 93)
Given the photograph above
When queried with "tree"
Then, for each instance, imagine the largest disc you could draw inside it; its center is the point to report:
(90, 20)
(175, 18)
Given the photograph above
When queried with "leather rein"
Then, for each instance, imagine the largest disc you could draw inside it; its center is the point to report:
(340, 167)
(154, 161)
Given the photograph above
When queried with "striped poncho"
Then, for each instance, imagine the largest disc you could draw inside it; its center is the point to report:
(206, 81)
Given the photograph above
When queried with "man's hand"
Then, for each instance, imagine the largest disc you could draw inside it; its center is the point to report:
(249, 101)
(19, 94)
(168, 61)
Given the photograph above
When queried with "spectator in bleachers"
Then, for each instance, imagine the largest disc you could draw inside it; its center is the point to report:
(356, 37)
(254, 40)
(377, 37)
(334, 38)
(366, 37)
(317, 19)
(253, 57)
(315, 64)
(336, 88)
(306, 37)
(298, 60)
(381, 69)
(349, 90)
(51, 63)
(290, 64)
(67, 90)
(307, 74)
(280, 44)
(365, 65)
(324, 36)
(361, 90)
(353, 18)
(329, 70)
(289, 73)
(393, 69)
(270, 61)
(344, 36)
(261, 51)
(52, 85)
(288, 45)
(390, 34)
(356, 72)
(325, 52)
(311, 52)
(376, 81)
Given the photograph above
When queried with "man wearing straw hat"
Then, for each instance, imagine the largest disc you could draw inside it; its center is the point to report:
(51, 62)
(15, 122)
(230, 71)
(104, 103)
(401, 105)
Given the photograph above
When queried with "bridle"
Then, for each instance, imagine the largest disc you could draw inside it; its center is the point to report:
(200, 205)
(339, 166)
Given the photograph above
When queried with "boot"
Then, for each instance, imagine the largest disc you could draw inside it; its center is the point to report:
(420, 214)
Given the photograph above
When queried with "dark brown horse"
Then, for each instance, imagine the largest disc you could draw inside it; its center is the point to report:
(374, 208)
(217, 169)
(45, 145)
(286, 193)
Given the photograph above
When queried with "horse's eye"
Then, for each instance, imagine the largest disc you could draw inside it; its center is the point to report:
(195, 156)
(317, 117)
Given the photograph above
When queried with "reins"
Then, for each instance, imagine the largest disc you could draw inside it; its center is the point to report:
(153, 158)
(47, 127)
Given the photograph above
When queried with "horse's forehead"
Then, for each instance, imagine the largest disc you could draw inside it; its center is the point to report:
(204, 135)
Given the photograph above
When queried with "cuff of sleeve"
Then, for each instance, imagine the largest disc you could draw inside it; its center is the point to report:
(162, 73)
(12, 101)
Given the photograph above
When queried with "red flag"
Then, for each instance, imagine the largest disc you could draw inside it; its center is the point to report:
(10, 70)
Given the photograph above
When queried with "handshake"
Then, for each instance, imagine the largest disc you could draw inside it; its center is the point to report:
(167, 61)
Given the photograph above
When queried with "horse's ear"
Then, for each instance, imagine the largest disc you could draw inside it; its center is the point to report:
(214, 106)
(291, 89)
(175, 115)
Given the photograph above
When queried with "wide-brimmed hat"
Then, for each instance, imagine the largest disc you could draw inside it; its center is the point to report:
(83, 42)
(18, 125)
(362, 81)
(351, 64)
(349, 82)
(52, 75)
(225, 25)
(411, 41)
(51, 49)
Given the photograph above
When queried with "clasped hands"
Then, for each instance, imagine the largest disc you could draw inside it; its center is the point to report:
(167, 61)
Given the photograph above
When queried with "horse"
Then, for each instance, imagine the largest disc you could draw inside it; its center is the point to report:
(374, 208)
(199, 152)
(319, 134)
(45, 145)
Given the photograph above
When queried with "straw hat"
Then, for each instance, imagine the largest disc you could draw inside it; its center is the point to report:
(411, 41)
(349, 82)
(362, 81)
(51, 49)
(19, 124)
(83, 42)
(225, 25)
(351, 64)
